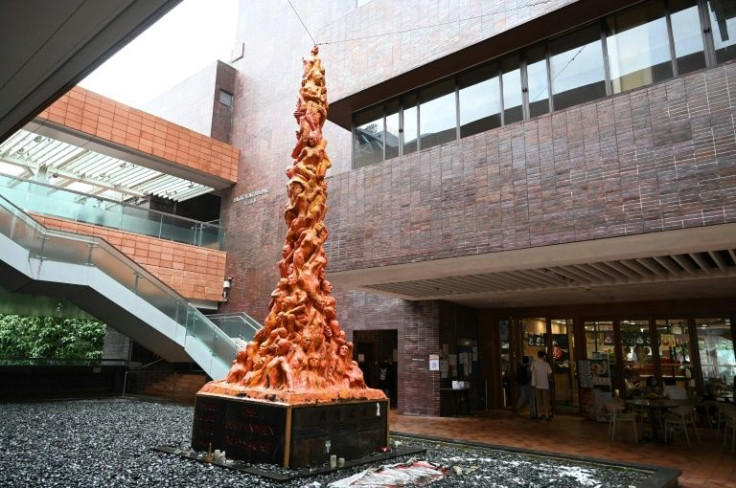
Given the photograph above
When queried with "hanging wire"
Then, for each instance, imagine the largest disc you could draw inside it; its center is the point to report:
(403, 31)
(487, 14)
(303, 24)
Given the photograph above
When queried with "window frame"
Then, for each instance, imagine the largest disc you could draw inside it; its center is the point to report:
(521, 54)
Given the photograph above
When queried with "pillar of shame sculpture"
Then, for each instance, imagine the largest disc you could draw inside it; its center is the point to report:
(299, 365)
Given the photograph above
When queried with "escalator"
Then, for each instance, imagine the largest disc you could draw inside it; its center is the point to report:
(104, 282)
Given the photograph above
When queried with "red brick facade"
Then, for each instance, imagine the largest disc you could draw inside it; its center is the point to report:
(195, 272)
(637, 162)
(111, 121)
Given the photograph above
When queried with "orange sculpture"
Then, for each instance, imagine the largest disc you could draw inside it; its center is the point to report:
(300, 355)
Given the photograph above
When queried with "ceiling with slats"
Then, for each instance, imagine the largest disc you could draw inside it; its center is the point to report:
(29, 155)
(698, 263)
(586, 276)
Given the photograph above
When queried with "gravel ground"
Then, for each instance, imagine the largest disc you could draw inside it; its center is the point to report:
(87, 443)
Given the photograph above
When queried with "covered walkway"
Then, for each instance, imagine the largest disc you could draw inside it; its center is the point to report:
(708, 464)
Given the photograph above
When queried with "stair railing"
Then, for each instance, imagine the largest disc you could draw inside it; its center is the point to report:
(206, 343)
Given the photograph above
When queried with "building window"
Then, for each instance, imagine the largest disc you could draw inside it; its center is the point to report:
(723, 26)
(576, 68)
(410, 120)
(392, 139)
(479, 100)
(638, 47)
(226, 98)
(644, 44)
(368, 136)
(687, 35)
(437, 115)
(513, 103)
(537, 81)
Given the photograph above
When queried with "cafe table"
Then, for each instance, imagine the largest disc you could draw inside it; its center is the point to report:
(655, 409)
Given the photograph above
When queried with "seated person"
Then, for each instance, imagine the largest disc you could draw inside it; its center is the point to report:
(672, 391)
(634, 384)
(652, 388)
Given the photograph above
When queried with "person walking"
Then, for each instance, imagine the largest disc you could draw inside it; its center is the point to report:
(540, 374)
(523, 377)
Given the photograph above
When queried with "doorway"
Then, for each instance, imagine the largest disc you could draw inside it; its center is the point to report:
(376, 352)
(556, 337)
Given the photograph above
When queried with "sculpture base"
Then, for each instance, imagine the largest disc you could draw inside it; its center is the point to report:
(290, 435)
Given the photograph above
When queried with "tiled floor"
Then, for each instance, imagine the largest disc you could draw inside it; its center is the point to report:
(706, 464)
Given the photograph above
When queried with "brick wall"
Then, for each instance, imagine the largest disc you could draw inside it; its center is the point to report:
(622, 165)
(417, 325)
(194, 272)
(112, 121)
(658, 158)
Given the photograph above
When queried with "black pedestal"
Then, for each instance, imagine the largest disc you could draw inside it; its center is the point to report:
(293, 436)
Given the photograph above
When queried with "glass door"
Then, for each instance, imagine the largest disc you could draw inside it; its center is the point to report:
(534, 336)
(673, 341)
(635, 346)
(717, 362)
(563, 362)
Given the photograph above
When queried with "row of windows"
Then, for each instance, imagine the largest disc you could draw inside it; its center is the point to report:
(645, 44)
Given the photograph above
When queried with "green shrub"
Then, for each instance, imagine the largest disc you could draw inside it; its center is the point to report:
(24, 337)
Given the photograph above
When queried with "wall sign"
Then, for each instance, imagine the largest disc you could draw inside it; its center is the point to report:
(250, 198)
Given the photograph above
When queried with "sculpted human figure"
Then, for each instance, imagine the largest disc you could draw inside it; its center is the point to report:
(278, 369)
(301, 351)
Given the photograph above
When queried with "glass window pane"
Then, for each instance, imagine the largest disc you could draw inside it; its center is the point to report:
(368, 137)
(537, 82)
(674, 352)
(535, 336)
(717, 361)
(599, 347)
(576, 65)
(723, 25)
(513, 110)
(437, 116)
(636, 349)
(480, 100)
(638, 47)
(599, 338)
(687, 35)
(392, 129)
(411, 131)
(563, 357)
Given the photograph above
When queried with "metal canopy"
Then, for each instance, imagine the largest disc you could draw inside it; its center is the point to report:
(29, 155)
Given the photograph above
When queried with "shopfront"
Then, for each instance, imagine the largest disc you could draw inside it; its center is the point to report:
(594, 358)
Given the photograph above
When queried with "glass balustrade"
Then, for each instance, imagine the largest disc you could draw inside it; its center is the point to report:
(59, 246)
(36, 197)
(236, 325)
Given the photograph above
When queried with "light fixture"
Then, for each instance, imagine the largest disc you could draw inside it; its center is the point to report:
(226, 285)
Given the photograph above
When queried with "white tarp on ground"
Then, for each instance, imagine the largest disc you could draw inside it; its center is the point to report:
(411, 473)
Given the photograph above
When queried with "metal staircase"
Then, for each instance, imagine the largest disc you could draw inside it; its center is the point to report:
(103, 281)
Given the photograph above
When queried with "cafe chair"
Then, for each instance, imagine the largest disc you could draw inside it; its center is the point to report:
(618, 415)
(727, 418)
(681, 416)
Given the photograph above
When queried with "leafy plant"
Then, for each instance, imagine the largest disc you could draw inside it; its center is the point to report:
(25, 337)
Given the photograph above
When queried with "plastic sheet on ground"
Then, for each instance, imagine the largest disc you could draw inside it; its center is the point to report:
(411, 473)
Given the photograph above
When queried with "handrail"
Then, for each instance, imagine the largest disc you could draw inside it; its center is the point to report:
(67, 247)
(236, 324)
(39, 197)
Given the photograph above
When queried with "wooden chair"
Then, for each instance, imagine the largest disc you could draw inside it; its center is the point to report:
(681, 416)
(618, 415)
